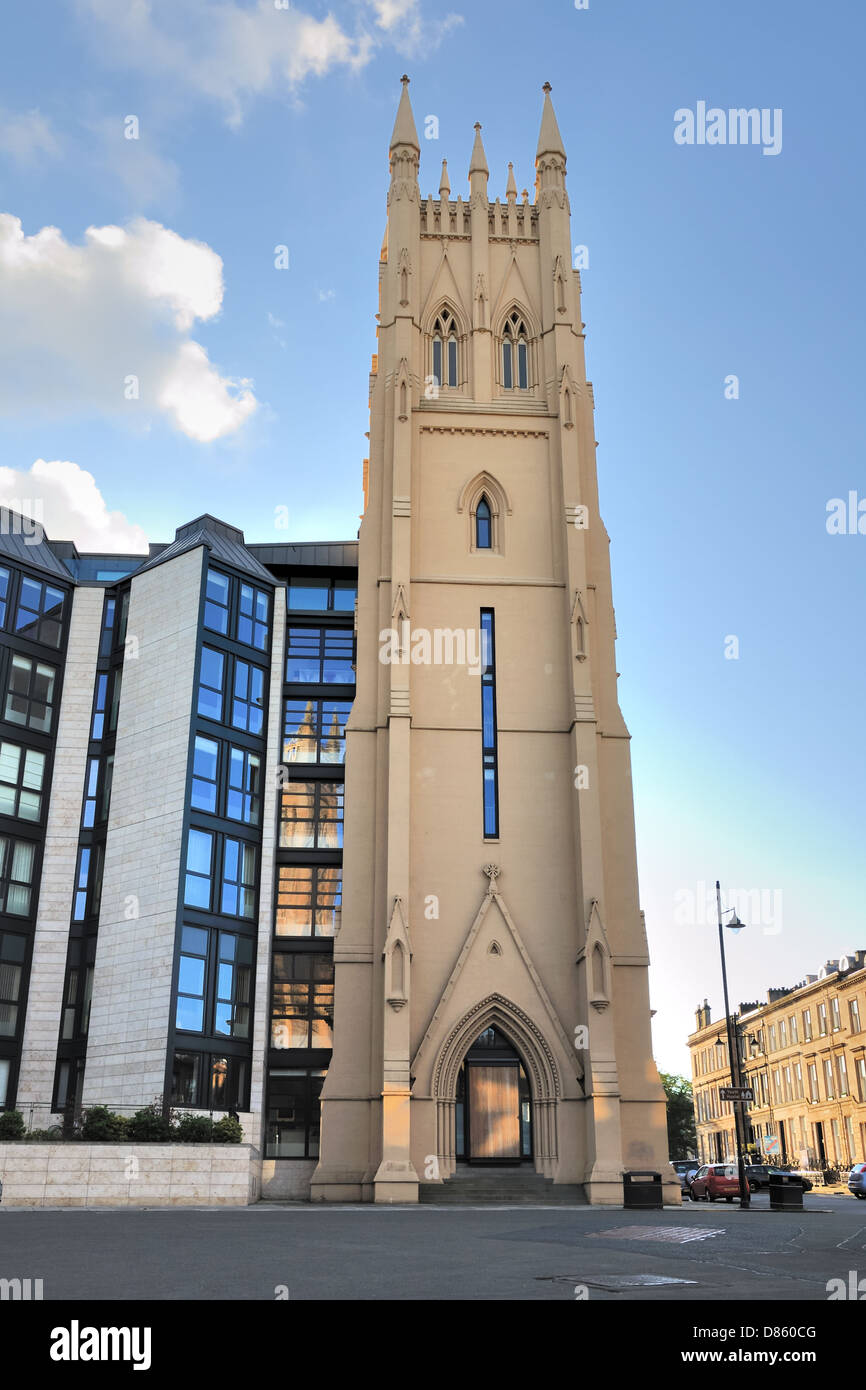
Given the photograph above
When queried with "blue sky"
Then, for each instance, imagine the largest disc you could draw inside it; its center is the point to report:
(704, 261)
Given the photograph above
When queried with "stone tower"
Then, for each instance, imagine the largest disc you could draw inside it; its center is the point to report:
(491, 997)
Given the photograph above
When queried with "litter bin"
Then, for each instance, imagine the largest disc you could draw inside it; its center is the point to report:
(642, 1190)
(786, 1192)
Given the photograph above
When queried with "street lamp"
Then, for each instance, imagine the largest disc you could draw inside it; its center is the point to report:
(734, 925)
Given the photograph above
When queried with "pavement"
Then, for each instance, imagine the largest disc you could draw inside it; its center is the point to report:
(698, 1252)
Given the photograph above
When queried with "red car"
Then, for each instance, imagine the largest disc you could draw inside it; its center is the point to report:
(715, 1180)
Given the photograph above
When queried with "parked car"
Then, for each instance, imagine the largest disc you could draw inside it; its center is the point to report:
(759, 1175)
(685, 1168)
(715, 1180)
(857, 1180)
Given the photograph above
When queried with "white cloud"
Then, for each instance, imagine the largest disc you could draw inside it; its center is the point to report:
(104, 327)
(68, 505)
(231, 52)
(26, 134)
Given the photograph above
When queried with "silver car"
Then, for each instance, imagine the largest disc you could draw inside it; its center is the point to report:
(857, 1180)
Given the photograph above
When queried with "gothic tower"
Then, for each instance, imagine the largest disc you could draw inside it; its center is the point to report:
(491, 996)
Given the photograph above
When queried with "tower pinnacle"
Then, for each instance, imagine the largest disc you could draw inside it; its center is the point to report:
(549, 139)
(478, 162)
(404, 132)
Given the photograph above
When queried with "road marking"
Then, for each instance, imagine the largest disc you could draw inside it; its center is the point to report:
(676, 1234)
(614, 1282)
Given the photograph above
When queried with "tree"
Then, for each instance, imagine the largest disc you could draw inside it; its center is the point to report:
(682, 1138)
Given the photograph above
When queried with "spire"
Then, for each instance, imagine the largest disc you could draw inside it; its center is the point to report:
(404, 132)
(511, 186)
(444, 182)
(478, 162)
(549, 139)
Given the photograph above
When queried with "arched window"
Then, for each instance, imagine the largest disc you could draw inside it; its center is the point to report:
(483, 526)
(445, 350)
(515, 354)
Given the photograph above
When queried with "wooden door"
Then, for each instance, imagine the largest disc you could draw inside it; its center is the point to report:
(494, 1112)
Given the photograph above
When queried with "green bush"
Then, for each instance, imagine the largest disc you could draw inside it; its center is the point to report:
(149, 1126)
(11, 1124)
(54, 1135)
(194, 1129)
(102, 1126)
(227, 1131)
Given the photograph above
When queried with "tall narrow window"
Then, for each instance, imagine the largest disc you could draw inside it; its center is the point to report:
(445, 350)
(483, 525)
(515, 354)
(488, 726)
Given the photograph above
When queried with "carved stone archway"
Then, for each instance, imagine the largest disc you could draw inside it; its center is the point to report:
(538, 1061)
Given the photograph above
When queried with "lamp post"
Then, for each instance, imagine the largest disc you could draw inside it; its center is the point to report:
(758, 1051)
(734, 925)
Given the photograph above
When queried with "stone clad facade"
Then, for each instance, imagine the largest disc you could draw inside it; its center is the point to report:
(482, 499)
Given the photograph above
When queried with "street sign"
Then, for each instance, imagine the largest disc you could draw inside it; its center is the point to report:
(771, 1144)
(741, 1093)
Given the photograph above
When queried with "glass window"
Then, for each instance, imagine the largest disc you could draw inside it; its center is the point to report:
(308, 899)
(834, 1010)
(22, 771)
(97, 727)
(106, 637)
(40, 612)
(842, 1074)
(233, 993)
(515, 353)
(320, 656)
(189, 1013)
(314, 731)
(294, 1114)
(248, 697)
(807, 1025)
(203, 796)
(238, 897)
(12, 954)
(4, 597)
(30, 693)
(202, 1081)
(216, 607)
(489, 759)
(312, 594)
(828, 1079)
(114, 707)
(309, 593)
(244, 797)
(253, 617)
(210, 689)
(822, 1020)
(814, 1093)
(345, 593)
(483, 535)
(17, 859)
(854, 1014)
(444, 345)
(199, 869)
(124, 617)
(302, 1000)
(311, 815)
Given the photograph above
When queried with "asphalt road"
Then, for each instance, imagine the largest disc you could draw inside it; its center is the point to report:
(716, 1252)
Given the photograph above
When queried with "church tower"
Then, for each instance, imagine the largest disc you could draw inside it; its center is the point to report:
(491, 995)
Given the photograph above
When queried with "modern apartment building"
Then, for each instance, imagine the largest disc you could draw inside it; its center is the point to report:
(177, 727)
(803, 1052)
(171, 793)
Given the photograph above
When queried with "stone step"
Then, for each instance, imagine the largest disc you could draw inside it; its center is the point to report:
(500, 1186)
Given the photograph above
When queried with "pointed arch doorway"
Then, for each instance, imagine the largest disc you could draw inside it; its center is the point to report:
(493, 1104)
